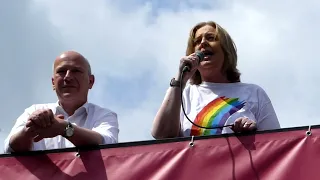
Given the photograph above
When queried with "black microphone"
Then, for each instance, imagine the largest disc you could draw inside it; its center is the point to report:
(200, 56)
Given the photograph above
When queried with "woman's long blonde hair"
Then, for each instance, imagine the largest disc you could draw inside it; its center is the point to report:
(229, 68)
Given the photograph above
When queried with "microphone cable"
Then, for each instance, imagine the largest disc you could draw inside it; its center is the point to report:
(182, 105)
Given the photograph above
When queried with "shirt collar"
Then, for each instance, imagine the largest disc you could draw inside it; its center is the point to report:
(59, 108)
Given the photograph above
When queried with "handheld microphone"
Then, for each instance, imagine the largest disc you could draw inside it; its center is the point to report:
(200, 56)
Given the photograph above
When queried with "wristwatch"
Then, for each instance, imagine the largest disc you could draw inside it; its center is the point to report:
(68, 132)
(174, 83)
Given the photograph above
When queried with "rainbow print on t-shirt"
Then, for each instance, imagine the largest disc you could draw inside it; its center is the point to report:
(215, 113)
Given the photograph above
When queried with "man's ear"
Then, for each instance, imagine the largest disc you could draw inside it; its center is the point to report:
(53, 86)
(91, 80)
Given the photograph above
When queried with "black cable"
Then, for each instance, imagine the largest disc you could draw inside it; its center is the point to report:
(181, 94)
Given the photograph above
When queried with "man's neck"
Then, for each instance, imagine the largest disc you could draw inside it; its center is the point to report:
(71, 107)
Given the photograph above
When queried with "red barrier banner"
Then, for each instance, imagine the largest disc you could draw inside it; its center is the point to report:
(274, 155)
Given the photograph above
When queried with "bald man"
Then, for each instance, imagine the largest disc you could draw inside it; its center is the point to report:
(71, 121)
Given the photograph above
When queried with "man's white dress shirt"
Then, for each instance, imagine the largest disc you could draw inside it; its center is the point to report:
(89, 116)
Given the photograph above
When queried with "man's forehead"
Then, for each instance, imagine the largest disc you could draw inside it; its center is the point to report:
(70, 59)
(68, 63)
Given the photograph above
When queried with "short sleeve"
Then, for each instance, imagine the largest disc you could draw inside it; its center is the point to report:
(107, 125)
(266, 117)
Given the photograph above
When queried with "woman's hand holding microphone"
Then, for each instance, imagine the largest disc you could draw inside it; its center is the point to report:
(188, 66)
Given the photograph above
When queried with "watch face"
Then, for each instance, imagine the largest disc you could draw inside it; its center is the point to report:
(69, 132)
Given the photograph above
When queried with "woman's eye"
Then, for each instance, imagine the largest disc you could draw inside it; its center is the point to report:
(197, 41)
(211, 38)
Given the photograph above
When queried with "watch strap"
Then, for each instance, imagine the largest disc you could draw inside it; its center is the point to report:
(174, 83)
(69, 125)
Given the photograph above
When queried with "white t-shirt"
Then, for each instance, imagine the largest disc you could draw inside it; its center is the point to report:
(89, 116)
(218, 104)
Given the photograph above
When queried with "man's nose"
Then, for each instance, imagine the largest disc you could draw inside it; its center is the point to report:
(68, 75)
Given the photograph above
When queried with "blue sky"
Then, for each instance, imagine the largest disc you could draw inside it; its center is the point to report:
(135, 46)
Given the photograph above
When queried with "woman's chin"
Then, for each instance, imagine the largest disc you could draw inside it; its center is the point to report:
(206, 63)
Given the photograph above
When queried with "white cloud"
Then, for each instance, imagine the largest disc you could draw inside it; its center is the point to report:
(277, 43)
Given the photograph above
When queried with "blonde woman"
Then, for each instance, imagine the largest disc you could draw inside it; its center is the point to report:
(214, 100)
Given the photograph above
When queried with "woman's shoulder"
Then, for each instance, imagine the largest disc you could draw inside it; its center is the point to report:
(258, 91)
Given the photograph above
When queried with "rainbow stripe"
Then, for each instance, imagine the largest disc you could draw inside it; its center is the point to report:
(215, 113)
